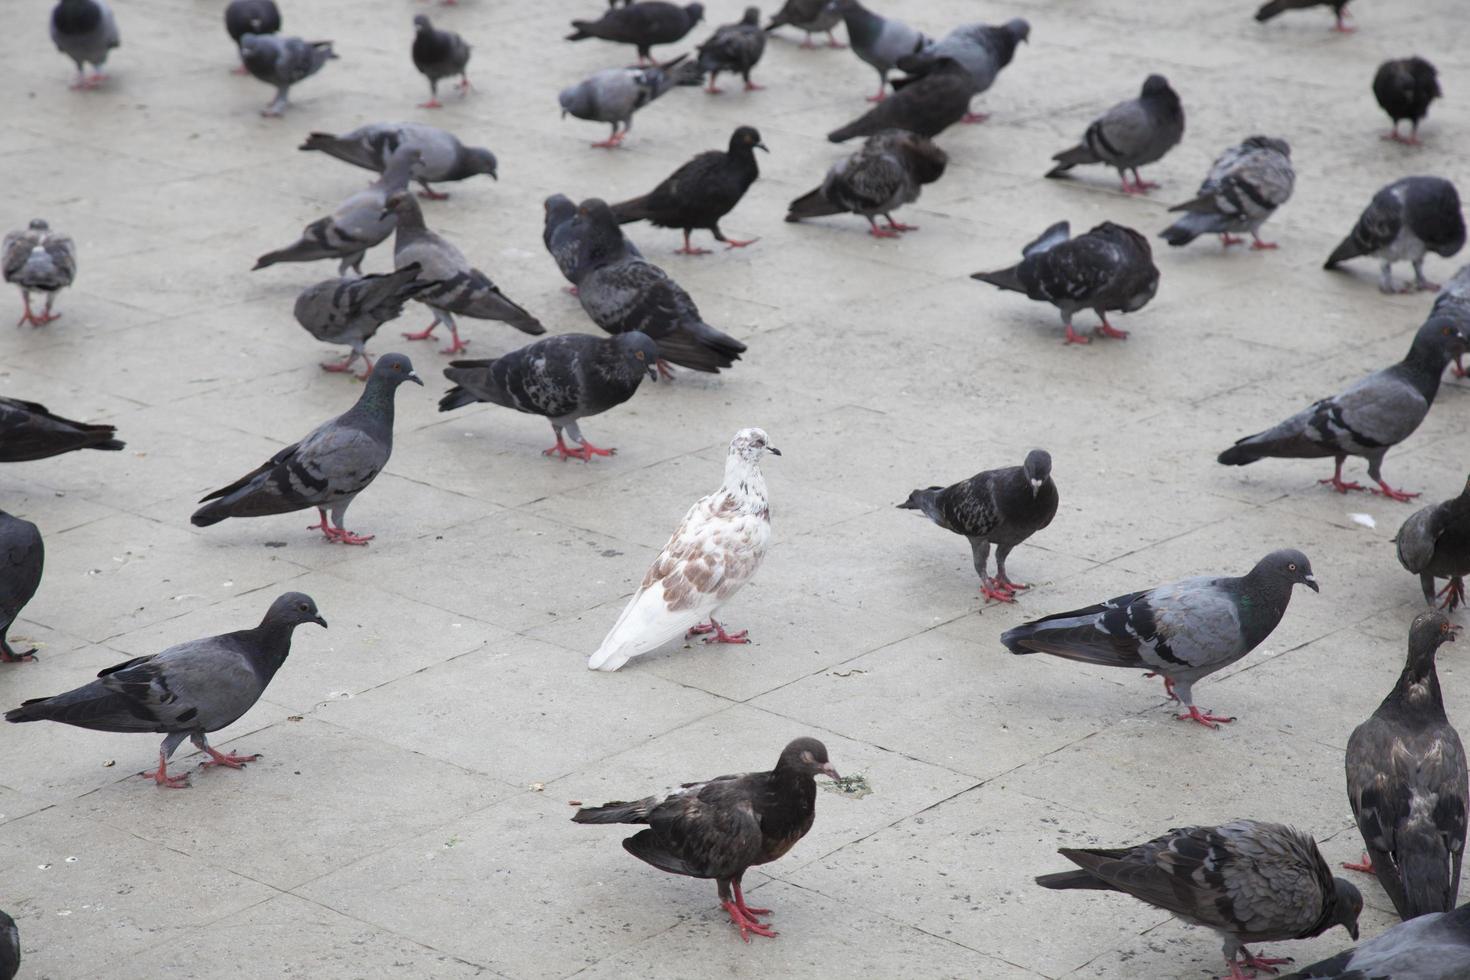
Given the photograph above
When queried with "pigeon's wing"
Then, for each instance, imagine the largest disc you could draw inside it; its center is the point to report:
(15, 251)
(633, 295)
(206, 683)
(437, 258)
(333, 463)
(1418, 536)
(63, 253)
(1377, 227)
(1430, 947)
(1379, 411)
(1121, 133)
(709, 830)
(869, 184)
(1074, 272)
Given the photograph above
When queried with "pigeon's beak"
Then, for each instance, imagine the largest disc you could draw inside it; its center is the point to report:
(828, 770)
(387, 213)
(1035, 487)
(1352, 929)
(653, 372)
(319, 621)
(762, 146)
(1311, 583)
(776, 452)
(415, 379)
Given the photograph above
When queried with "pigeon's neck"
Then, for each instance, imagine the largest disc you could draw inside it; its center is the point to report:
(410, 219)
(745, 485)
(1263, 601)
(374, 406)
(743, 154)
(396, 176)
(863, 25)
(797, 792)
(1422, 367)
(1418, 690)
(267, 647)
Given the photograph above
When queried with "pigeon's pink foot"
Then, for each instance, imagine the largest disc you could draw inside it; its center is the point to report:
(343, 536)
(974, 117)
(737, 243)
(570, 290)
(665, 372)
(720, 635)
(877, 232)
(1458, 370)
(991, 589)
(45, 318)
(749, 912)
(1259, 246)
(832, 42)
(713, 89)
(589, 450)
(1108, 330)
(691, 250)
(1228, 239)
(239, 70)
(900, 226)
(344, 366)
(879, 97)
(1131, 188)
(230, 761)
(1343, 28)
(429, 194)
(807, 44)
(423, 334)
(1336, 482)
(1365, 866)
(1168, 684)
(455, 344)
(1007, 584)
(1268, 963)
(746, 925)
(431, 104)
(1453, 595)
(1384, 490)
(1073, 337)
(9, 657)
(754, 87)
(611, 143)
(464, 85)
(1203, 717)
(323, 527)
(163, 780)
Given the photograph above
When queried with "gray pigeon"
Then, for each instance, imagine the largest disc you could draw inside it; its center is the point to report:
(563, 239)
(1435, 543)
(39, 260)
(734, 47)
(29, 431)
(1248, 880)
(9, 948)
(1369, 418)
(1407, 784)
(22, 556)
(982, 50)
(1129, 135)
(1002, 507)
(1431, 947)
(887, 173)
(1245, 186)
(614, 94)
(880, 41)
(1453, 305)
(642, 25)
(565, 378)
(1406, 220)
(442, 156)
(926, 104)
(327, 469)
(283, 62)
(187, 691)
(360, 222)
(1183, 631)
(810, 16)
(251, 17)
(1274, 8)
(455, 285)
(85, 31)
(439, 54)
(350, 310)
(1404, 87)
(1109, 268)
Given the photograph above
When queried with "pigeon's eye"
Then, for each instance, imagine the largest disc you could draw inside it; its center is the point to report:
(640, 356)
(1291, 567)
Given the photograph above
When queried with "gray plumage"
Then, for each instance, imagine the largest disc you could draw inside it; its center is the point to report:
(28, 430)
(9, 948)
(1248, 880)
(880, 41)
(1407, 783)
(614, 94)
(887, 173)
(282, 62)
(563, 237)
(1130, 135)
(926, 104)
(186, 691)
(438, 54)
(327, 469)
(22, 557)
(982, 50)
(1405, 221)
(85, 31)
(811, 16)
(350, 310)
(1245, 186)
(442, 157)
(1369, 418)
(1431, 947)
(1453, 305)
(40, 260)
(564, 378)
(734, 47)
(1435, 543)
(1183, 631)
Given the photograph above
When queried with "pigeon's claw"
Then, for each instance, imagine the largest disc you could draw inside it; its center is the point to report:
(1365, 866)
(1204, 718)
(229, 761)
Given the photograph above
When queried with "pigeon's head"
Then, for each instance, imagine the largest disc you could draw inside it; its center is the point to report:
(1019, 28)
(1037, 469)
(293, 609)
(1442, 336)
(1155, 86)
(1288, 565)
(1347, 904)
(745, 139)
(1428, 633)
(421, 24)
(1268, 143)
(640, 350)
(750, 444)
(40, 224)
(924, 157)
(478, 160)
(401, 203)
(251, 43)
(695, 12)
(1456, 287)
(559, 208)
(394, 369)
(808, 757)
(752, 17)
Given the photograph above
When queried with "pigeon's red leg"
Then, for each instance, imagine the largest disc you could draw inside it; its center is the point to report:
(1073, 337)
(1458, 368)
(429, 194)
(323, 527)
(464, 85)
(28, 316)
(1393, 135)
(1341, 26)
(1258, 245)
(689, 249)
(898, 225)
(753, 86)
(974, 117)
(746, 926)
(712, 88)
(882, 93)
(1010, 586)
(749, 912)
(423, 334)
(230, 761)
(738, 243)
(877, 232)
(1268, 963)
(832, 41)
(1168, 684)
(1228, 239)
(455, 344)
(807, 42)
(1338, 484)
(564, 451)
(340, 367)
(1365, 865)
(239, 70)
(431, 104)
(589, 450)
(1203, 717)
(664, 371)
(1384, 490)
(1107, 329)
(699, 629)
(163, 780)
(343, 536)
(1141, 185)
(991, 589)
(722, 637)
(1453, 593)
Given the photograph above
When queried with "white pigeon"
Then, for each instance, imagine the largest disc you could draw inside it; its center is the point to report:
(714, 552)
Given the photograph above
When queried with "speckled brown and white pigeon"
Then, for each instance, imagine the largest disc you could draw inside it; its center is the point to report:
(1130, 135)
(722, 827)
(710, 557)
(442, 157)
(981, 49)
(281, 62)
(1407, 783)
(1404, 222)
(1274, 8)
(734, 48)
(1431, 947)
(1245, 186)
(22, 558)
(810, 16)
(1183, 631)
(1435, 543)
(350, 310)
(1404, 87)
(1248, 880)
(878, 40)
(39, 260)
(614, 94)
(887, 173)
(925, 104)
(642, 25)
(28, 430)
(439, 54)
(1003, 507)
(187, 691)
(85, 31)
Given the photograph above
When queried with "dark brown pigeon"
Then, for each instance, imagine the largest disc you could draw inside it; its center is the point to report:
(734, 47)
(888, 172)
(1404, 87)
(642, 25)
(1273, 8)
(1435, 543)
(927, 104)
(29, 431)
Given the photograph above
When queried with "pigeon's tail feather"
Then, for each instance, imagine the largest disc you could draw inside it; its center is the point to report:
(862, 126)
(1349, 249)
(456, 397)
(1424, 875)
(1240, 454)
(211, 513)
(91, 706)
(1076, 635)
(635, 209)
(305, 250)
(1067, 159)
(609, 656)
(582, 30)
(1003, 278)
(1068, 880)
(617, 812)
(1188, 228)
(1271, 9)
(700, 347)
(811, 205)
(926, 500)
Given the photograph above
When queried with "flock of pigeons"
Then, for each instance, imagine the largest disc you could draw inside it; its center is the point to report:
(1251, 881)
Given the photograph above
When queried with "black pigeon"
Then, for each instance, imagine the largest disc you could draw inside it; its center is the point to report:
(350, 310)
(1404, 88)
(701, 192)
(1183, 631)
(887, 173)
(1369, 418)
(642, 25)
(22, 556)
(565, 378)
(1273, 8)
(9, 948)
(1431, 947)
(1435, 543)
(927, 104)
(439, 54)
(1002, 507)
(1129, 135)
(811, 16)
(1406, 220)
(734, 47)
(563, 238)
(1109, 268)
(186, 691)
(1248, 880)
(29, 431)
(1407, 783)
(722, 827)
(251, 17)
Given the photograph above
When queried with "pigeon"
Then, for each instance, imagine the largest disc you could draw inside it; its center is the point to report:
(982, 50)
(887, 173)
(1405, 220)
(1431, 947)
(1435, 542)
(1003, 507)
(1129, 135)
(701, 192)
(714, 552)
(622, 292)
(1249, 880)
(360, 222)
(1183, 631)
(1109, 268)
(9, 948)
(614, 94)
(565, 378)
(880, 41)
(1407, 784)
(327, 469)
(187, 691)
(811, 17)
(927, 104)
(1245, 186)
(456, 286)
(439, 54)
(29, 431)
(22, 556)
(85, 31)
(1404, 87)
(1373, 415)
(350, 310)
(563, 241)
(283, 62)
(1273, 8)
(722, 827)
(1453, 304)
(734, 47)
(642, 25)
(39, 260)
(442, 156)
(251, 17)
